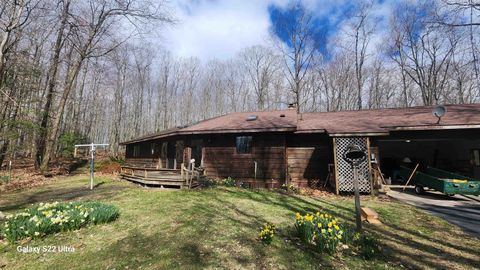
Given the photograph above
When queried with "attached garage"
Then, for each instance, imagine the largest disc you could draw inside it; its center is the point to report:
(451, 150)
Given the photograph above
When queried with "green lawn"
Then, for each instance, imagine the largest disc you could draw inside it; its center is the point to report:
(217, 228)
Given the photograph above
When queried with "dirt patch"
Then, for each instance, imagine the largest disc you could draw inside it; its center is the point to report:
(110, 168)
(24, 175)
(22, 179)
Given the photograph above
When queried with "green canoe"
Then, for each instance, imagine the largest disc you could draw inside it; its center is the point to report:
(442, 181)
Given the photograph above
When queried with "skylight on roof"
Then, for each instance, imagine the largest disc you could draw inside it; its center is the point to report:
(251, 118)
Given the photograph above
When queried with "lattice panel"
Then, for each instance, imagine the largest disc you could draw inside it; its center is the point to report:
(345, 172)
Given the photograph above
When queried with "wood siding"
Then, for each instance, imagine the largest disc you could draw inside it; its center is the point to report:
(154, 154)
(308, 156)
(221, 159)
(305, 160)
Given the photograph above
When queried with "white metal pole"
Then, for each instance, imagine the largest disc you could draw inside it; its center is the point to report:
(9, 171)
(92, 156)
(93, 147)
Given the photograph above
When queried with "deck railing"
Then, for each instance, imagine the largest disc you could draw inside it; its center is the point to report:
(185, 176)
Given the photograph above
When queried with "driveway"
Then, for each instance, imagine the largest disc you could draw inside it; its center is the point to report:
(461, 210)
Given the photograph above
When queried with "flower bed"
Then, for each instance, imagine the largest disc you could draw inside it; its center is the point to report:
(322, 230)
(55, 217)
(266, 233)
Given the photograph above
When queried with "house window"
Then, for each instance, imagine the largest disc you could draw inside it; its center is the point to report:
(153, 146)
(244, 144)
(136, 150)
(476, 157)
(164, 150)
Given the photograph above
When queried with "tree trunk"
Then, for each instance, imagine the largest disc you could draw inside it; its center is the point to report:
(51, 143)
(51, 78)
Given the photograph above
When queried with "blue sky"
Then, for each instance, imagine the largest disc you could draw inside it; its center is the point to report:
(210, 29)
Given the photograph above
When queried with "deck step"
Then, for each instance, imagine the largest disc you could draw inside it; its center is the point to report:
(154, 182)
(154, 178)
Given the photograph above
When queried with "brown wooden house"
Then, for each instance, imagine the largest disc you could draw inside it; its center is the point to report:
(270, 148)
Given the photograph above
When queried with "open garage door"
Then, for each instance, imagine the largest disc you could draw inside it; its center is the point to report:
(453, 151)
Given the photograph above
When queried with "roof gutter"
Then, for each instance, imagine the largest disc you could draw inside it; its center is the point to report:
(359, 134)
(309, 131)
(434, 127)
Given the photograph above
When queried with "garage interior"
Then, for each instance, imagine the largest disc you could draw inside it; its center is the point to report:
(456, 151)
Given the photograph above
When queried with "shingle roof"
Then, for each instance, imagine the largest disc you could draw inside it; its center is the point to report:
(385, 120)
(237, 122)
(334, 123)
(281, 120)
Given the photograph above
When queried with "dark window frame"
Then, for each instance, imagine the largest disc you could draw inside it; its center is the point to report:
(153, 148)
(243, 145)
(136, 150)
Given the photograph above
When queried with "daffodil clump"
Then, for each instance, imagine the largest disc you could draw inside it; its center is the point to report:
(266, 233)
(320, 229)
(48, 218)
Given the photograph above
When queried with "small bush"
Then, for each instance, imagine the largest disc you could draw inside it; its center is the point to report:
(67, 142)
(55, 217)
(320, 229)
(4, 179)
(118, 160)
(228, 182)
(266, 233)
(368, 246)
(290, 188)
(208, 182)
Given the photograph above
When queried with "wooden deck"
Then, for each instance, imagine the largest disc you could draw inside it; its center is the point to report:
(165, 178)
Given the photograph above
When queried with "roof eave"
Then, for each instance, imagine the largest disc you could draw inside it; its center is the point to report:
(359, 134)
(203, 132)
(434, 127)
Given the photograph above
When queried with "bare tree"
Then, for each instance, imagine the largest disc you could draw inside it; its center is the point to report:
(427, 54)
(88, 31)
(361, 30)
(298, 49)
(260, 64)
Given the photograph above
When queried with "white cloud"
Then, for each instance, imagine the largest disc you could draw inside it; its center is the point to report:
(217, 29)
(210, 29)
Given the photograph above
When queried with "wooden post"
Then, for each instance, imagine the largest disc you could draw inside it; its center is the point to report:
(411, 176)
(182, 166)
(335, 163)
(369, 166)
(191, 175)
